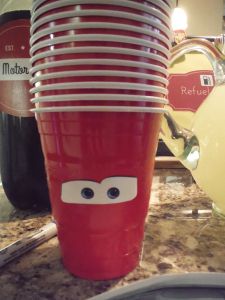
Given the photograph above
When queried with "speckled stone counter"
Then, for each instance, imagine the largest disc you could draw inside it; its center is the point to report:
(181, 235)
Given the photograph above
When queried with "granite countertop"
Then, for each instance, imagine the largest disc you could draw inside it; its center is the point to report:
(181, 235)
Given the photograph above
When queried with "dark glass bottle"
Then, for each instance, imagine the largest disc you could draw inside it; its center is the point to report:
(21, 160)
(21, 163)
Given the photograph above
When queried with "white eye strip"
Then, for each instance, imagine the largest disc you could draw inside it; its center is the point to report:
(78, 191)
(110, 190)
(127, 187)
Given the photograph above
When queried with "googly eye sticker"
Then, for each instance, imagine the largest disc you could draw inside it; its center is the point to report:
(110, 190)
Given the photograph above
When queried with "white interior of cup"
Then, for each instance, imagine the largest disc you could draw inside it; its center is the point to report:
(100, 85)
(96, 49)
(102, 73)
(103, 13)
(97, 61)
(99, 97)
(98, 25)
(99, 109)
(100, 38)
(62, 3)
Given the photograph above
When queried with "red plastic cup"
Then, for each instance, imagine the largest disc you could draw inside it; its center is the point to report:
(100, 40)
(99, 100)
(98, 53)
(99, 167)
(99, 75)
(91, 87)
(100, 103)
(95, 28)
(75, 65)
(163, 6)
(100, 15)
(138, 8)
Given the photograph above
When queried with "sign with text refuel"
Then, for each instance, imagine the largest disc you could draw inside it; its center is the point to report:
(187, 91)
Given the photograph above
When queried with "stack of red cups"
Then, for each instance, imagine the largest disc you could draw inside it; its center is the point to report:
(99, 75)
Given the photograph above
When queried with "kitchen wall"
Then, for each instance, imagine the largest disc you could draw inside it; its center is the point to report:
(205, 17)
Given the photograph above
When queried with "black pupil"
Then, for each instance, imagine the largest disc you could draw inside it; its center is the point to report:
(87, 193)
(113, 193)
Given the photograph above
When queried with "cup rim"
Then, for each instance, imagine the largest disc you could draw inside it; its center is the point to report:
(169, 3)
(124, 3)
(161, 4)
(98, 97)
(102, 73)
(95, 12)
(100, 85)
(100, 38)
(98, 25)
(99, 61)
(99, 108)
(98, 49)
